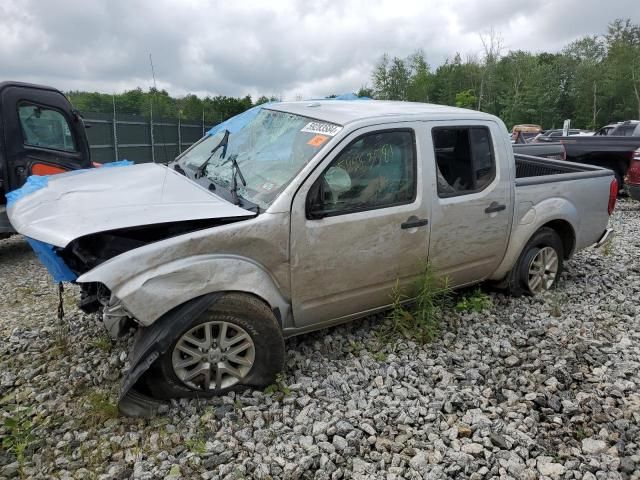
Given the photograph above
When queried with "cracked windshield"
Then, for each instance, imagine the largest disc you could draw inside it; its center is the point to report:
(269, 151)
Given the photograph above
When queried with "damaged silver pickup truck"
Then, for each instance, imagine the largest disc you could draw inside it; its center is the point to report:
(297, 216)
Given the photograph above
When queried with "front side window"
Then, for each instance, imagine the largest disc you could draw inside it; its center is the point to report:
(45, 128)
(376, 170)
(269, 151)
(464, 159)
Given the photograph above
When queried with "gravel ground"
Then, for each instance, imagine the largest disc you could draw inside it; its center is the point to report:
(532, 388)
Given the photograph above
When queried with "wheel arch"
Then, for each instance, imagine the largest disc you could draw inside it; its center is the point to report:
(150, 294)
(554, 212)
(566, 233)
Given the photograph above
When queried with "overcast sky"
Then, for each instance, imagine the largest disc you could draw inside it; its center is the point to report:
(281, 47)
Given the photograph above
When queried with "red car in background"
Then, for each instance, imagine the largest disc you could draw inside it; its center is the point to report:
(633, 176)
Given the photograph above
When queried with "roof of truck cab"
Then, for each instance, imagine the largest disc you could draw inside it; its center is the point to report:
(346, 111)
(7, 84)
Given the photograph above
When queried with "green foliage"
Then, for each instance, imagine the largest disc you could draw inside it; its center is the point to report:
(380, 356)
(279, 388)
(557, 301)
(197, 444)
(162, 105)
(17, 434)
(607, 248)
(420, 321)
(365, 91)
(355, 347)
(466, 99)
(102, 342)
(593, 81)
(101, 407)
(477, 302)
(61, 342)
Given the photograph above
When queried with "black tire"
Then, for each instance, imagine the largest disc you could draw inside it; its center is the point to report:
(242, 310)
(517, 278)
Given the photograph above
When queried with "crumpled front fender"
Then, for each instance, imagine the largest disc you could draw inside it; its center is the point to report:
(150, 343)
(153, 292)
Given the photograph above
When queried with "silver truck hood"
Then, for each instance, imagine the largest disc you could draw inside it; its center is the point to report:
(75, 204)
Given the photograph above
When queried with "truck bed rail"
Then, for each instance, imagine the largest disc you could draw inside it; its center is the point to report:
(532, 170)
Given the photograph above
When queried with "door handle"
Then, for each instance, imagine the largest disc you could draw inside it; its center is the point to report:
(494, 207)
(413, 222)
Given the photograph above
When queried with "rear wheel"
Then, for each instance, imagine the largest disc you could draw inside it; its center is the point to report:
(539, 266)
(235, 344)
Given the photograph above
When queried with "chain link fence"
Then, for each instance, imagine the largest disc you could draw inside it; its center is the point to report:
(138, 138)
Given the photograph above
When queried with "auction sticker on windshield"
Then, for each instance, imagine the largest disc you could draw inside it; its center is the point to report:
(317, 140)
(322, 128)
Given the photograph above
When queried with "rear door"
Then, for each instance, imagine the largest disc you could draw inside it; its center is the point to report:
(472, 204)
(41, 134)
(359, 224)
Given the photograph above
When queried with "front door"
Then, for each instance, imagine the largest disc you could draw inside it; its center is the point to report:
(41, 135)
(472, 205)
(359, 224)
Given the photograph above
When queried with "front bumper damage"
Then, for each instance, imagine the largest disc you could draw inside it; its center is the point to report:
(115, 317)
(606, 237)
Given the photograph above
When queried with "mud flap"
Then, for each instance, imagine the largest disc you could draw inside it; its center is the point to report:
(150, 343)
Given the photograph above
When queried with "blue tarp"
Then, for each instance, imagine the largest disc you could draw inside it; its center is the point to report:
(33, 183)
(36, 182)
(235, 124)
(45, 252)
(119, 163)
(50, 259)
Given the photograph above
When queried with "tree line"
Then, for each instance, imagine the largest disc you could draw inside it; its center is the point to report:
(593, 80)
(162, 105)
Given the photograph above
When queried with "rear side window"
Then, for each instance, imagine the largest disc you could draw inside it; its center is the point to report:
(622, 131)
(45, 128)
(464, 159)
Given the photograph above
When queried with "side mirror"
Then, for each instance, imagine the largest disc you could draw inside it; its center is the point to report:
(315, 205)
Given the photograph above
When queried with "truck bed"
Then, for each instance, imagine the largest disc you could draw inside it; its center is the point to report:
(532, 170)
(581, 191)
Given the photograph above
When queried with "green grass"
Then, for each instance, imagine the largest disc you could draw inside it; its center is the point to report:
(197, 445)
(607, 248)
(421, 321)
(18, 433)
(355, 347)
(102, 343)
(380, 356)
(477, 302)
(61, 342)
(558, 300)
(279, 388)
(101, 407)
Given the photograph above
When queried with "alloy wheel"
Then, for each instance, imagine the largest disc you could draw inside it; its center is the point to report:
(543, 270)
(213, 355)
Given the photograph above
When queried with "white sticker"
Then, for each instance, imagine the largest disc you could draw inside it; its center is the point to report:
(321, 128)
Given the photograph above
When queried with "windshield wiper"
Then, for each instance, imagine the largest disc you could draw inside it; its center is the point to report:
(235, 172)
(222, 144)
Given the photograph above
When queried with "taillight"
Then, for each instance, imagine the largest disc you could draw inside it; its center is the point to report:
(96, 164)
(564, 151)
(613, 195)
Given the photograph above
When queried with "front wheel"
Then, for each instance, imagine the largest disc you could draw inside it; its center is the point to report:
(539, 266)
(235, 344)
